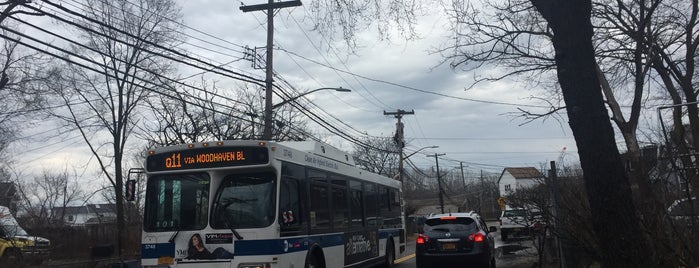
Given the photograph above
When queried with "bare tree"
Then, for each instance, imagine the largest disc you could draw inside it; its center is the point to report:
(605, 178)
(42, 195)
(196, 115)
(348, 18)
(20, 72)
(379, 156)
(126, 42)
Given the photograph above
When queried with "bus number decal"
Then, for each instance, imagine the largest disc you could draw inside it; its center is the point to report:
(174, 161)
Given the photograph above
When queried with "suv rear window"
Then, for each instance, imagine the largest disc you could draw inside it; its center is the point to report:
(451, 225)
(515, 213)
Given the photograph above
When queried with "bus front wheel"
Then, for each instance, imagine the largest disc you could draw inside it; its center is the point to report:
(313, 261)
(390, 255)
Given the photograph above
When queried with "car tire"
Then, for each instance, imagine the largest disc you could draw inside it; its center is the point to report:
(422, 264)
(12, 257)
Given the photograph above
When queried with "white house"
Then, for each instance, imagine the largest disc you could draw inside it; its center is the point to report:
(513, 178)
(87, 215)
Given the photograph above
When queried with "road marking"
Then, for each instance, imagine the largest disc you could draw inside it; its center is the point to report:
(405, 258)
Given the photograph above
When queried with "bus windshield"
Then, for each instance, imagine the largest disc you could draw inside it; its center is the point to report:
(177, 202)
(244, 201)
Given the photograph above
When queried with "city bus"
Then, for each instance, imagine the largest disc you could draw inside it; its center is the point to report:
(262, 204)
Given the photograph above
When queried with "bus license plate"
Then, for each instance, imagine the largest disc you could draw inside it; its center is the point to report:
(448, 246)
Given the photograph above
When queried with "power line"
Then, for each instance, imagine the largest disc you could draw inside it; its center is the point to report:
(414, 88)
(241, 77)
(110, 75)
(104, 54)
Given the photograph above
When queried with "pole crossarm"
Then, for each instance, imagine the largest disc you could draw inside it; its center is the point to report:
(274, 5)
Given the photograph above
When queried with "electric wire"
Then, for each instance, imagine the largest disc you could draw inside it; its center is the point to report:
(170, 29)
(414, 88)
(309, 101)
(241, 77)
(343, 64)
(151, 72)
(113, 76)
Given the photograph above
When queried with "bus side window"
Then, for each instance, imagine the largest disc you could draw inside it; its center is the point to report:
(289, 206)
(384, 205)
(372, 218)
(356, 204)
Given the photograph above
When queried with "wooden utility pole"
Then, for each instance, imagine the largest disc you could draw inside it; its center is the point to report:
(439, 180)
(398, 114)
(270, 7)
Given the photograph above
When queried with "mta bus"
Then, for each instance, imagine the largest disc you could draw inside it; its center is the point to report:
(262, 204)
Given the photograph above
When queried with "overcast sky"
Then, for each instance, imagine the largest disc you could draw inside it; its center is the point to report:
(470, 126)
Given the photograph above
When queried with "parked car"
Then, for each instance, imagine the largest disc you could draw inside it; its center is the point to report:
(16, 244)
(520, 222)
(455, 238)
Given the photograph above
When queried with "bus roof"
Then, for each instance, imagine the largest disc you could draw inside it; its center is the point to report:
(320, 149)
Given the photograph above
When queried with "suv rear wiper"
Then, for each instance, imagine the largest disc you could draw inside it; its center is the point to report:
(441, 229)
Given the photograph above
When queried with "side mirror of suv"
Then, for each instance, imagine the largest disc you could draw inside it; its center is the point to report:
(493, 229)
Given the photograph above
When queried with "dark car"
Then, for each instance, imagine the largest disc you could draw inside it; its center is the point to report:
(455, 239)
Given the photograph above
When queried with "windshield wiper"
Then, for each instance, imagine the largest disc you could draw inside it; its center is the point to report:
(172, 238)
(235, 233)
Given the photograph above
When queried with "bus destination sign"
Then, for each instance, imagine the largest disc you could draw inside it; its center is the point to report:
(210, 157)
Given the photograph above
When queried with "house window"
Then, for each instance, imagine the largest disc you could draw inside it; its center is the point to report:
(70, 218)
(508, 187)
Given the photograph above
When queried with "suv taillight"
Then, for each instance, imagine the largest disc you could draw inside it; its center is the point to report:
(421, 239)
(477, 237)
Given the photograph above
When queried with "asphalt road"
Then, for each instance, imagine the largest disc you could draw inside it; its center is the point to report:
(517, 253)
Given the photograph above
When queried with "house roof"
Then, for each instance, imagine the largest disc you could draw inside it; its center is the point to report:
(87, 209)
(522, 173)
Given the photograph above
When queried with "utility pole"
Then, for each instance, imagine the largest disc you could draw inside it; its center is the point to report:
(439, 180)
(480, 195)
(398, 138)
(270, 7)
(553, 192)
(463, 178)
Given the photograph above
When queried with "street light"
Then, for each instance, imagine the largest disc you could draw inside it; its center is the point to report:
(418, 150)
(401, 158)
(267, 133)
(338, 89)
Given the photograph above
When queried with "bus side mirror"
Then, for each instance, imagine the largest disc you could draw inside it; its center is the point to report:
(130, 194)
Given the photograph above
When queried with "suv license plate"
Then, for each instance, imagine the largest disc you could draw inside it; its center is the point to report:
(448, 246)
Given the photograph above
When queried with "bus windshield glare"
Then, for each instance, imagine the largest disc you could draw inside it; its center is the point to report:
(244, 201)
(177, 202)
